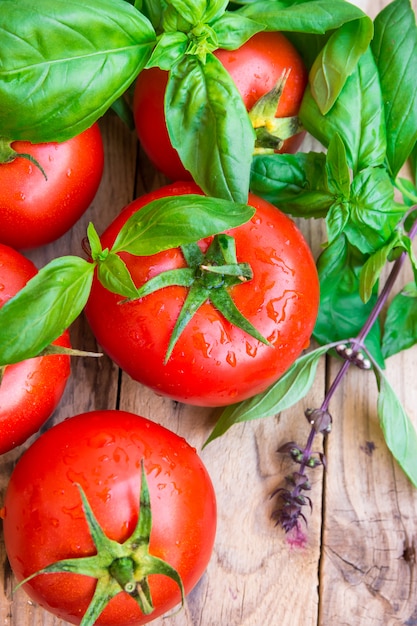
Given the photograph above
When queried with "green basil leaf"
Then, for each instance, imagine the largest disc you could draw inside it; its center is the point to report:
(152, 10)
(94, 242)
(359, 121)
(337, 60)
(44, 308)
(209, 127)
(400, 328)
(63, 63)
(295, 183)
(233, 30)
(190, 10)
(373, 212)
(289, 389)
(336, 219)
(408, 189)
(342, 313)
(214, 10)
(337, 168)
(305, 16)
(373, 267)
(408, 246)
(395, 50)
(169, 49)
(399, 432)
(113, 274)
(174, 221)
(413, 163)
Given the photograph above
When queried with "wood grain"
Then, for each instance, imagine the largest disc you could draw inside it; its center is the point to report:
(358, 566)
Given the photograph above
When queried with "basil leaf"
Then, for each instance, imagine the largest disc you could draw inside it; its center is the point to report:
(94, 242)
(295, 183)
(192, 11)
(395, 50)
(44, 308)
(113, 274)
(337, 168)
(214, 10)
(342, 313)
(209, 127)
(152, 10)
(413, 163)
(174, 221)
(373, 213)
(289, 389)
(336, 219)
(373, 267)
(63, 63)
(169, 49)
(305, 16)
(399, 432)
(233, 30)
(400, 328)
(359, 120)
(337, 60)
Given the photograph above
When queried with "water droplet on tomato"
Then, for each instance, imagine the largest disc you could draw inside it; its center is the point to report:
(155, 468)
(251, 350)
(100, 440)
(231, 358)
(120, 455)
(69, 173)
(200, 343)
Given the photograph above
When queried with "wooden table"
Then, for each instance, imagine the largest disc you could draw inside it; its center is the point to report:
(358, 566)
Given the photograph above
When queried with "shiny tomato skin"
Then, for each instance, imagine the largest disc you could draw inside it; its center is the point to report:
(35, 211)
(213, 362)
(255, 68)
(30, 390)
(102, 451)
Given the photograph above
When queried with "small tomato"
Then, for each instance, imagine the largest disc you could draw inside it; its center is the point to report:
(39, 204)
(30, 390)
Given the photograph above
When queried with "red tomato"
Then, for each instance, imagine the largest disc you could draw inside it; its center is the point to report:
(31, 390)
(213, 363)
(255, 68)
(35, 211)
(102, 451)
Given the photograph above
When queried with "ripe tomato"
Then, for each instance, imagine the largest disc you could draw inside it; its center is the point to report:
(102, 451)
(213, 362)
(35, 211)
(31, 390)
(255, 68)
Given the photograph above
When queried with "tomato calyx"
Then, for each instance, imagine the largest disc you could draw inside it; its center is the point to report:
(117, 566)
(271, 131)
(208, 276)
(7, 155)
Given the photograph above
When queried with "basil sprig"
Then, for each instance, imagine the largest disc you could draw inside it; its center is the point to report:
(369, 132)
(57, 294)
(63, 64)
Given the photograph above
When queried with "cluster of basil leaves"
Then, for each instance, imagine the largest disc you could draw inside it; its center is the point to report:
(64, 63)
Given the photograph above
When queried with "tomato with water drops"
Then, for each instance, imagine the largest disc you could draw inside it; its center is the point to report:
(213, 361)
